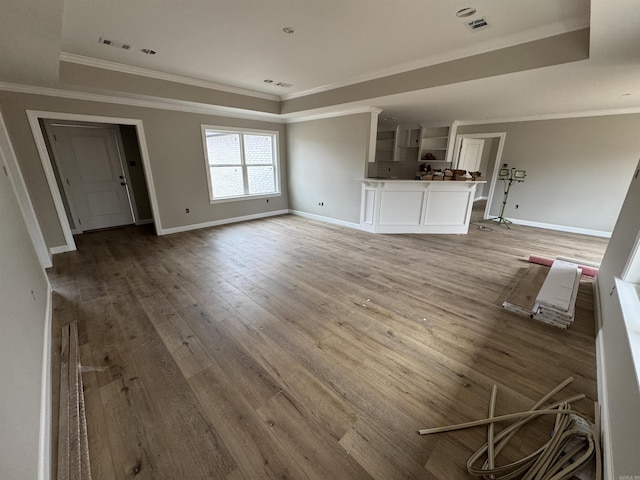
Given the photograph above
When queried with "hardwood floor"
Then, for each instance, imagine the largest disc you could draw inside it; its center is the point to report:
(287, 348)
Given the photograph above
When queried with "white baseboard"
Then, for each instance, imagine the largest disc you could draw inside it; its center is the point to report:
(44, 453)
(603, 400)
(60, 249)
(477, 199)
(561, 228)
(214, 223)
(320, 218)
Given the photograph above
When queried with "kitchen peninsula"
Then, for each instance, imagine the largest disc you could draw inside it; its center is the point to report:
(416, 206)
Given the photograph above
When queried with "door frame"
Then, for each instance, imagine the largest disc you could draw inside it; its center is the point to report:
(34, 116)
(492, 182)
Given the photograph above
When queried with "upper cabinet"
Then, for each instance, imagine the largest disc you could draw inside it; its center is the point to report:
(407, 143)
(385, 146)
(415, 143)
(434, 144)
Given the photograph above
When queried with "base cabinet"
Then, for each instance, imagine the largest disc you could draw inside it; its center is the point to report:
(408, 206)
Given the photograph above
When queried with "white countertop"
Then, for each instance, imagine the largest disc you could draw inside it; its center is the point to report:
(398, 180)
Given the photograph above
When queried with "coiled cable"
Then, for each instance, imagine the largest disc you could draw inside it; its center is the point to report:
(574, 443)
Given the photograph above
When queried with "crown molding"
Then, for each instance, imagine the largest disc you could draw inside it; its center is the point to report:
(331, 114)
(169, 77)
(191, 107)
(557, 28)
(145, 102)
(553, 116)
(183, 106)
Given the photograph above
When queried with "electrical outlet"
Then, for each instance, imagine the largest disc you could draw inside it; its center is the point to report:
(517, 207)
(186, 210)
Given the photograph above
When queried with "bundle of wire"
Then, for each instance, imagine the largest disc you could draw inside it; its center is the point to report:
(574, 443)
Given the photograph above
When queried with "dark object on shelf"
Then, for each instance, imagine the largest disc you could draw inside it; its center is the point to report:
(428, 156)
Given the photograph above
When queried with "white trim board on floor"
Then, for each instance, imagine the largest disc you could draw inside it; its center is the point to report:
(224, 221)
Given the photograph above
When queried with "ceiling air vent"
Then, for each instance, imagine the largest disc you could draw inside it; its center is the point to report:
(114, 43)
(283, 85)
(477, 24)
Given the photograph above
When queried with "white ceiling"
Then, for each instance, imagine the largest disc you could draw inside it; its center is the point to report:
(241, 42)
(338, 42)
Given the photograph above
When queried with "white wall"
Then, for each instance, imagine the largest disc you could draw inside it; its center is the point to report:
(577, 168)
(23, 321)
(326, 157)
(620, 389)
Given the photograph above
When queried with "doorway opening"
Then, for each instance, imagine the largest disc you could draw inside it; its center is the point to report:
(98, 172)
(485, 149)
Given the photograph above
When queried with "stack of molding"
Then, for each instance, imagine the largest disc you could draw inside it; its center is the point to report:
(547, 295)
(557, 297)
(73, 446)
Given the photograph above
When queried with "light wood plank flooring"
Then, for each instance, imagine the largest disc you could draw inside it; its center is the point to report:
(292, 349)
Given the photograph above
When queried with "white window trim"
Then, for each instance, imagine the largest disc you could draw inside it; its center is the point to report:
(628, 287)
(276, 164)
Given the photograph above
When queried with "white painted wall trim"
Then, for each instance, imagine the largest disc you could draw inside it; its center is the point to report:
(331, 112)
(47, 165)
(46, 161)
(145, 101)
(169, 77)
(44, 447)
(501, 136)
(60, 249)
(24, 200)
(603, 398)
(561, 228)
(224, 221)
(554, 116)
(478, 199)
(320, 218)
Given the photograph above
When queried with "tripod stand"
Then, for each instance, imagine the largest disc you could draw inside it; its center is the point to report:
(509, 177)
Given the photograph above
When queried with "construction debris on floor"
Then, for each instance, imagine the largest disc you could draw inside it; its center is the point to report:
(548, 294)
(572, 450)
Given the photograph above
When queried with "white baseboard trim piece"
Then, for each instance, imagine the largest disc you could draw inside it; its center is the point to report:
(44, 447)
(145, 222)
(60, 249)
(603, 401)
(320, 218)
(561, 228)
(224, 221)
(478, 199)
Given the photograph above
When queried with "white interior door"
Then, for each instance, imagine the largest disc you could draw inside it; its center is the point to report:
(92, 174)
(470, 154)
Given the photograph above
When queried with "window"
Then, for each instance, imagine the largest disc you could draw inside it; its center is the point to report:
(241, 163)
